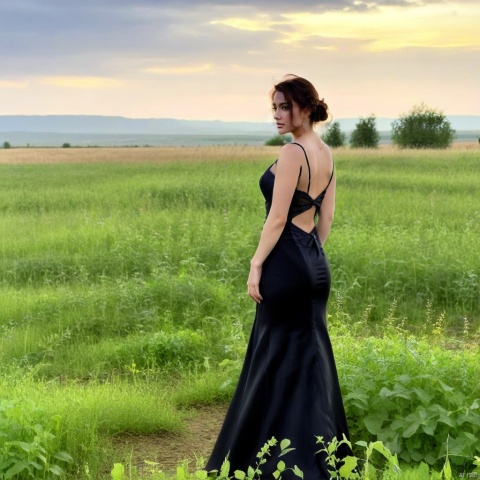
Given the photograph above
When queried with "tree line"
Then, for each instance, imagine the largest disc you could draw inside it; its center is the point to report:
(422, 127)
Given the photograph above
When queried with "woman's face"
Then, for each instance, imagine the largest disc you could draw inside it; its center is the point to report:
(287, 119)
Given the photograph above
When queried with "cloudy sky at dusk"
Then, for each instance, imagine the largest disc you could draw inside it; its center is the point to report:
(217, 59)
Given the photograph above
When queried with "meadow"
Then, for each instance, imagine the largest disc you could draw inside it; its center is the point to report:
(124, 304)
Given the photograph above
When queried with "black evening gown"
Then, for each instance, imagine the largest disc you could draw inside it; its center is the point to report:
(288, 387)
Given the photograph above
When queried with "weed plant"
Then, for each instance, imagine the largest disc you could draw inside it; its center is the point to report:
(378, 463)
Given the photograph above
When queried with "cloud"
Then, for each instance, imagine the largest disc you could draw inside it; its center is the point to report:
(261, 24)
(82, 82)
(385, 28)
(13, 84)
(180, 70)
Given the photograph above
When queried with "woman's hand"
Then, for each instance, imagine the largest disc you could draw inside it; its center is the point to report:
(253, 283)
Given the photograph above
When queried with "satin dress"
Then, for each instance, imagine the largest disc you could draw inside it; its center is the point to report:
(288, 387)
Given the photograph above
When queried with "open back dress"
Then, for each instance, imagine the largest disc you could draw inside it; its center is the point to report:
(288, 387)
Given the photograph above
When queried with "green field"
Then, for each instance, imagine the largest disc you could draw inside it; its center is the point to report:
(124, 298)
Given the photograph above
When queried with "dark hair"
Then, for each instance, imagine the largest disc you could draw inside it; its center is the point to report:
(303, 93)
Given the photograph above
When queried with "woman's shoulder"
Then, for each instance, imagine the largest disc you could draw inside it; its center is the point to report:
(292, 150)
(326, 149)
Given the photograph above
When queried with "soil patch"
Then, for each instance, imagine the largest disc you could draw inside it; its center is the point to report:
(168, 450)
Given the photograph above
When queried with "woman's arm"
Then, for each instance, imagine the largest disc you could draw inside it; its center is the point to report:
(327, 211)
(286, 178)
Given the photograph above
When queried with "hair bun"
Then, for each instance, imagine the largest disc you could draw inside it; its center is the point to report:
(321, 111)
(303, 93)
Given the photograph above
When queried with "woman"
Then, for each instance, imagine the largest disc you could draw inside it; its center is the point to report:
(289, 387)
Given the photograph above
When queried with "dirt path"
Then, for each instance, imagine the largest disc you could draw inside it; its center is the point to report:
(169, 450)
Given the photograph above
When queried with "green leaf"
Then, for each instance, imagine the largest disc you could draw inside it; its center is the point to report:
(6, 464)
(381, 448)
(447, 471)
(410, 430)
(239, 475)
(64, 456)
(180, 474)
(281, 465)
(332, 447)
(424, 396)
(36, 465)
(385, 392)
(447, 420)
(423, 471)
(349, 465)
(470, 436)
(15, 470)
(398, 424)
(429, 429)
(474, 405)
(201, 474)
(225, 469)
(23, 445)
(285, 443)
(297, 472)
(374, 422)
(402, 392)
(56, 470)
(417, 456)
(284, 452)
(118, 471)
(445, 386)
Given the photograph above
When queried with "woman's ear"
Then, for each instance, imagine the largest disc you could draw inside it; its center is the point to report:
(307, 111)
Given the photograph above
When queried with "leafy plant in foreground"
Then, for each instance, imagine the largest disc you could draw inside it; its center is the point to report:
(27, 449)
(349, 468)
(252, 473)
(379, 463)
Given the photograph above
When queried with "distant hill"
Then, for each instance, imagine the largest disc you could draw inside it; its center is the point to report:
(82, 130)
(121, 125)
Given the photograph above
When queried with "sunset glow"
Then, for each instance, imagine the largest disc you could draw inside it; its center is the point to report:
(195, 60)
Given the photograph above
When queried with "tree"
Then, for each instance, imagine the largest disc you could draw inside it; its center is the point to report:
(334, 137)
(66, 145)
(276, 140)
(365, 134)
(422, 127)
(6, 145)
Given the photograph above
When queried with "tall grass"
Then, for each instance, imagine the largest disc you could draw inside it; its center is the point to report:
(123, 285)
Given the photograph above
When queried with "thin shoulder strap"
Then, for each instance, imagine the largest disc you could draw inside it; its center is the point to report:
(308, 165)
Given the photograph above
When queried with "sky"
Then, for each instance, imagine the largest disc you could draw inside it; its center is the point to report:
(218, 59)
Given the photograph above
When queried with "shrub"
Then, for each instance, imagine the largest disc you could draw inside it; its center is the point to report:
(334, 136)
(6, 145)
(365, 134)
(277, 140)
(422, 127)
(66, 145)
